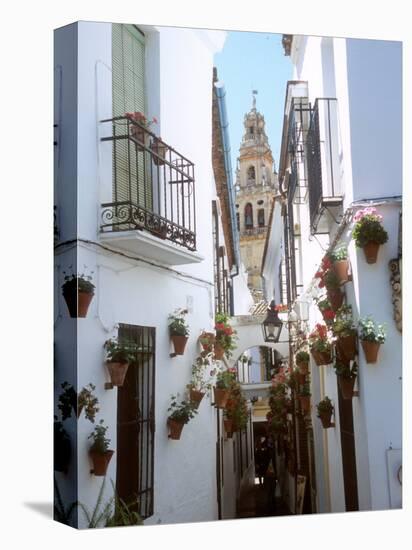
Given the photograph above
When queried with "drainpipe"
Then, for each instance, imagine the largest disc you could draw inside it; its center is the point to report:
(224, 127)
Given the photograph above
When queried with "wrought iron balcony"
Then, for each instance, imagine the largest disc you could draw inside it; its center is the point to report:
(323, 158)
(153, 186)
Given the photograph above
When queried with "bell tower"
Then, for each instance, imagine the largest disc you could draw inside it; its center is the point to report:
(256, 185)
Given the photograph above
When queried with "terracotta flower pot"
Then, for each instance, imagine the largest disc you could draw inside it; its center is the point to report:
(179, 343)
(100, 462)
(77, 302)
(325, 418)
(322, 357)
(303, 367)
(346, 386)
(160, 149)
(220, 397)
(370, 350)
(371, 250)
(335, 297)
(346, 346)
(140, 135)
(304, 403)
(341, 269)
(219, 351)
(117, 372)
(196, 397)
(175, 428)
(228, 424)
(301, 378)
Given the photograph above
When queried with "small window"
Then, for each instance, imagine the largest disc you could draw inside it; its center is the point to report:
(248, 216)
(261, 217)
(251, 174)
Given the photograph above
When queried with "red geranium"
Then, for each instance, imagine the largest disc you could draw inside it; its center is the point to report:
(328, 314)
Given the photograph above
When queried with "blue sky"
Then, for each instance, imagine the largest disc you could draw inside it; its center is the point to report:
(254, 61)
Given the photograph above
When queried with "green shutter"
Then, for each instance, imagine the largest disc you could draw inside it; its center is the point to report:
(128, 69)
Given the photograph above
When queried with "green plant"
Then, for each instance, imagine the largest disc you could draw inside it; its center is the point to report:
(225, 334)
(324, 304)
(225, 379)
(319, 340)
(100, 441)
(305, 390)
(181, 412)
(100, 514)
(368, 228)
(371, 331)
(302, 357)
(177, 323)
(119, 352)
(123, 513)
(343, 324)
(237, 411)
(345, 370)
(331, 280)
(61, 513)
(339, 253)
(67, 400)
(81, 282)
(198, 380)
(325, 406)
(88, 401)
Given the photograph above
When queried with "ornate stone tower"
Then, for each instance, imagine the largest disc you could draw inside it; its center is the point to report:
(256, 184)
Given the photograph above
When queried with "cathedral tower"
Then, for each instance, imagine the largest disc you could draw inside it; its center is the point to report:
(256, 184)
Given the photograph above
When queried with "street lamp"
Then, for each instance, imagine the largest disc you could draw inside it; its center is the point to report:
(272, 325)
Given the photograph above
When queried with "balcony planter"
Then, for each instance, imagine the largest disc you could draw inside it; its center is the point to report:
(340, 263)
(99, 452)
(322, 357)
(371, 250)
(175, 428)
(78, 292)
(371, 335)
(335, 297)
(326, 418)
(220, 397)
(325, 411)
(159, 148)
(179, 330)
(369, 233)
(117, 372)
(207, 340)
(370, 349)
(139, 130)
(196, 397)
(346, 346)
(304, 403)
(346, 377)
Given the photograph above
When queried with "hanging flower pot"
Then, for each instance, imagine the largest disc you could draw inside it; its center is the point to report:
(325, 418)
(207, 340)
(159, 149)
(100, 461)
(175, 428)
(228, 424)
(117, 372)
(341, 268)
(304, 403)
(346, 386)
(196, 397)
(335, 297)
(78, 292)
(371, 250)
(220, 397)
(322, 357)
(346, 346)
(219, 351)
(370, 350)
(179, 343)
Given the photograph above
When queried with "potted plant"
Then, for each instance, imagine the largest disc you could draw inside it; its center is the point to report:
(302, 361)
(320, 346)
(304, 398)
(236, 408)
(78, 292)
(340, 262)
(61, 447)
(369, 233)
(198, 385)
(179, 330)
(345, 332)
(207, 340)
(346, 377)
(371, 335)
(159, 149)
(325, 411)
(326, 310)
(99, 451)
(221, 390)
(139, 126)
(88, 401)
(119, 355)
(228, 424)
(67, 401)
(225, 336)
(333, 291)
(179, 415)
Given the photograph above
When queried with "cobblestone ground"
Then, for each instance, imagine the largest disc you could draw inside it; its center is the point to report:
(255, 502)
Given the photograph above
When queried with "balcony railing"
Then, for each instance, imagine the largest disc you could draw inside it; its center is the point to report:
(153, 186)
(323, 159)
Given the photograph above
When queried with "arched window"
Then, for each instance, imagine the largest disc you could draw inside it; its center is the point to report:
(261, 217)
(251, 175)
(248, 216)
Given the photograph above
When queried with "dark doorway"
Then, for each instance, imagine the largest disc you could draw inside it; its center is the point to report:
(135, 423)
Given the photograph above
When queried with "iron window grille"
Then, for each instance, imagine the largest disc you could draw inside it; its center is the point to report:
(153, 185)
